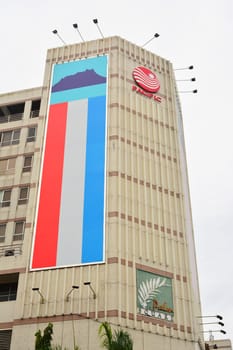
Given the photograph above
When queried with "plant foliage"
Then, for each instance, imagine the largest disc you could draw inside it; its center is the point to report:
(117, 340)
(43, 342)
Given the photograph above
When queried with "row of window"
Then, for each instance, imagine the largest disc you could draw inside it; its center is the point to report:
(12, 137)
(17, 116)
(18, 233)
(5, 196)
(15, 112)
(7, 166)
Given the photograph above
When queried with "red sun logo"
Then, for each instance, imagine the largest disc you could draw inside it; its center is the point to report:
(146, 79)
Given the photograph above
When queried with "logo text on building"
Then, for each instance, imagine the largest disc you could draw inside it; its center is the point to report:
(148, 83)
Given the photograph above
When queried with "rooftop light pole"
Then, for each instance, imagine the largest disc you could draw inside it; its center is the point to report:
(219, 317)
(75, 26)
(192, 79)
(95, 21)
(217, 330)
(220, 323)
(56, 33)
(216, 316)
(188, 92)
(189, 67)
(156, 35)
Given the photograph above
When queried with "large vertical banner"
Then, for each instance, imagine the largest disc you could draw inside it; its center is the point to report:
(70, 218)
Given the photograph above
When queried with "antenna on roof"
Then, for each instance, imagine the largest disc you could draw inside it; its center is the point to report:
(75, 25)
(56, 33)
(95, 21)
(156, 35)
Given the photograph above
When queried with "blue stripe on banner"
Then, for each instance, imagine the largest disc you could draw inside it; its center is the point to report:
(93, 219)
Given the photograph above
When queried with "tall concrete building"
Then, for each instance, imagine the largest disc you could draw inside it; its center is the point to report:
(95, 218)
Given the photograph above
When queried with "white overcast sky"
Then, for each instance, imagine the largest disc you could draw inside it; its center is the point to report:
(196, 32)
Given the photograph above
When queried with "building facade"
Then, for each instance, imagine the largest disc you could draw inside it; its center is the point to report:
(95, 218)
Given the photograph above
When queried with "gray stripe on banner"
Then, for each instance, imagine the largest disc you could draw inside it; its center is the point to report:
(72, 198)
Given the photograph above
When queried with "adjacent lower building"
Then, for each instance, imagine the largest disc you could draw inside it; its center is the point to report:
(95, 218)
(218, 344)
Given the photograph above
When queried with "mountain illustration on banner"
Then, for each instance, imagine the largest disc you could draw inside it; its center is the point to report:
(81, 79)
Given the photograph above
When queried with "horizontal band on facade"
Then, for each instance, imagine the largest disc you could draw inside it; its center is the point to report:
(26, 99)
(97, 318)
(139, 114)
(144, 183)
(106, 49)
(140, 146)
(24, 126)
(9, 271)
(83, 54)
(31, 185)
(130, 218)
(20, 154)
(6, 325)
(13, 220)
(115, 260)
(154, 270)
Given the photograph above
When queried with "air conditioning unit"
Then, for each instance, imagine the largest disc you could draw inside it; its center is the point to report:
(9, 252)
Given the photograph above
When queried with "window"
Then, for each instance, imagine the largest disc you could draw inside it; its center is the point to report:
(27, 165)
(23, 195)
(11, 113)
(19, 231)
(35, 109)
(7, 166)
(31, 134)
(8, 291)
(2, 232)
(5, 339)
(9, 137)
(8, 287)
(5, 198)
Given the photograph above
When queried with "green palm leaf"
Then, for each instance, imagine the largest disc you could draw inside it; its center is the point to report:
(149, 289)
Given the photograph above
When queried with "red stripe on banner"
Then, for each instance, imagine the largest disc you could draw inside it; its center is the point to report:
(45, 246)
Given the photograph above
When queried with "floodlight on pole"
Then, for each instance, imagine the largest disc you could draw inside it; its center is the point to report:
(42, 298)
(90, 286)
(68, 294)
(211, 337)
(156, 35)
(220, 323)
(75, 26)
(56, 33)
(192, 79)
(211, 331)
(95, 21)
(183, 68)
(216, 316)
(188, 91)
